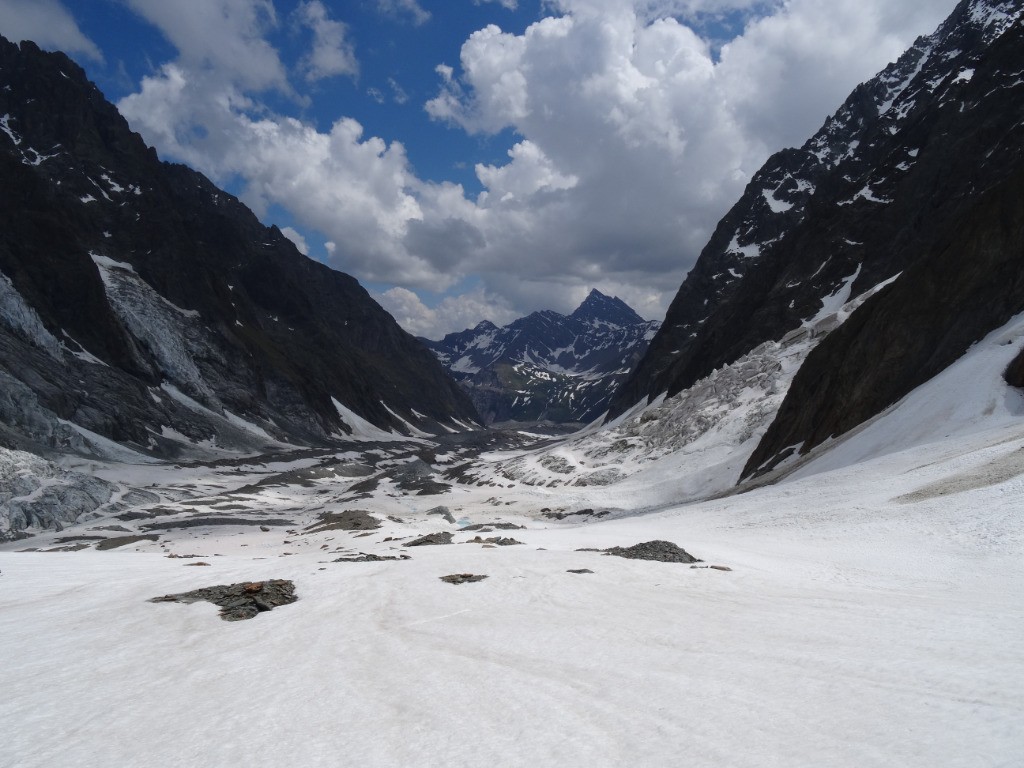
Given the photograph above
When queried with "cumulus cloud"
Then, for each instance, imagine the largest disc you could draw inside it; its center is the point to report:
(332, 52)
(358, 190)
(632, 138)
(657, 136)
(223, 38)
(46, 23)
(453, 313)
(300, 242)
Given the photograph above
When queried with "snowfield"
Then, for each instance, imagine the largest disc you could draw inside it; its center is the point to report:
(873, 615)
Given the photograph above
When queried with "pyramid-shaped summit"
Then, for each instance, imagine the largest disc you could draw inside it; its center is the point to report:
(598, 307)
(548, 366)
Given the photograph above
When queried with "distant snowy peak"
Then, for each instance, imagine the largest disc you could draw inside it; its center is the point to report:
(864, 196)
(548, 365)
(607, 310)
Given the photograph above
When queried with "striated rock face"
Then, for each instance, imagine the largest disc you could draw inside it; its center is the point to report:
(144, 305)
(949, 298)
(548, 366)
(888, 183)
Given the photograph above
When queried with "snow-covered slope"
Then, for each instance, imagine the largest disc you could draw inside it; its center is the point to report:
(689, 446)
(871, 618)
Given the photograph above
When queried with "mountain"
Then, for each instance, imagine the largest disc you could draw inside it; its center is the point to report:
(141, 304)
(911, 189)
(548, 366)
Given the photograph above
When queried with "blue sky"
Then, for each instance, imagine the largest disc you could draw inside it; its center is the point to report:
(475, 159)
(395, 53)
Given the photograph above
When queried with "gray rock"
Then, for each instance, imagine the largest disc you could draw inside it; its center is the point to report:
(121, 541)
(662, 551)
(500, 541)
(462, 578)
(346, 520)
(499, 526)
(444, 537)
(239, 601)
(443, 511)
(369, 558)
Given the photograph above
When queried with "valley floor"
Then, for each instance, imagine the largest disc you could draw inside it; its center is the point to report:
(873, 616)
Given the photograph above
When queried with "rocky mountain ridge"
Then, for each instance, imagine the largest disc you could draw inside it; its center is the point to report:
(140, 304)
(548, 366)
(913, 159)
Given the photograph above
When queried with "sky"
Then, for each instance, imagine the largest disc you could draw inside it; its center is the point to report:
(481, 159)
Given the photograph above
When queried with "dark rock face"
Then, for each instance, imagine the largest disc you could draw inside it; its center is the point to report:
(886, 181)
(239, 601)
(1014, 374)
(662, 551)
(948, 299)
(142, 303)
(548, 366)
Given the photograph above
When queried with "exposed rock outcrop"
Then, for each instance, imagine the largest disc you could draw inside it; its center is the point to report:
(887, 180)
(143, 304)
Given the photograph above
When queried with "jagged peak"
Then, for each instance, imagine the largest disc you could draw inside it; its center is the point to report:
(603, 308)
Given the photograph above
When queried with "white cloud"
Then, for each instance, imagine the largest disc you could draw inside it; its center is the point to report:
(658, 137)
(359, 191)
(453, 313)
(297, 238)
(509, 4)
(397, 92)
(402, 9)
(332, 53)
(225, 39)
(46, 23)
(529, 173)
(632, 140)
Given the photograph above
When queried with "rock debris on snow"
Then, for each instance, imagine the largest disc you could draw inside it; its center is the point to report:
(501, 541)
(239, 601)
(462, 578)
(347, 520)
(443, 537)
(662, 551)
